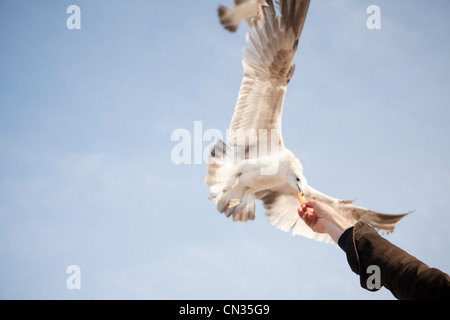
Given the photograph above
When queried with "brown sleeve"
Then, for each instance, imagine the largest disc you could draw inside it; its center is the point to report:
(404, 275)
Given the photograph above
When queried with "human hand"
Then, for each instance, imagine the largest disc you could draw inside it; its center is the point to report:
(316, 215)
(322, 218)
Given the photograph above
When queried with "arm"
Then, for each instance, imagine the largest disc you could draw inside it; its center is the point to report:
(404, 275)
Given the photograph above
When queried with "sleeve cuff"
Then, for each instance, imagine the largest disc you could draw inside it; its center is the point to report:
(343, 238)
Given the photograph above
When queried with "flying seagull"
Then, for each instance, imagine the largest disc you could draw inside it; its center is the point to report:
(255, 164)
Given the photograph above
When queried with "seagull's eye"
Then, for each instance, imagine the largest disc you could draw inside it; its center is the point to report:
(297, 179)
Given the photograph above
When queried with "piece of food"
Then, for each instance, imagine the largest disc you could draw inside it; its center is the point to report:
(301, 198)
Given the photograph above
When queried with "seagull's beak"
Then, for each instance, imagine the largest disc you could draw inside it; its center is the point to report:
(299, 189)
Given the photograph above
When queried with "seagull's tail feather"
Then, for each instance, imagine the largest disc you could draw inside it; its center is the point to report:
(220, 169)
(223, 180)
(381, 221)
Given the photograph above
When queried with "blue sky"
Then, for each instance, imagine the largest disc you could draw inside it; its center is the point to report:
(87, 179)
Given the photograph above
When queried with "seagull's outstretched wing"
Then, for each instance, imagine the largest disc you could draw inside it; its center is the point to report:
(268, 68)
(281, 205)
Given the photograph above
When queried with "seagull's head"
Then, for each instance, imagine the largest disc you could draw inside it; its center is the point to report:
(295, 176)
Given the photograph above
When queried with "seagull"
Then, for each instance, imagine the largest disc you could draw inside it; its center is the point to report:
(230, 17)
(254, 164)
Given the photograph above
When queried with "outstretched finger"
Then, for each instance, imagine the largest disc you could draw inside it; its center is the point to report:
(308, 218)
(301, 213)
